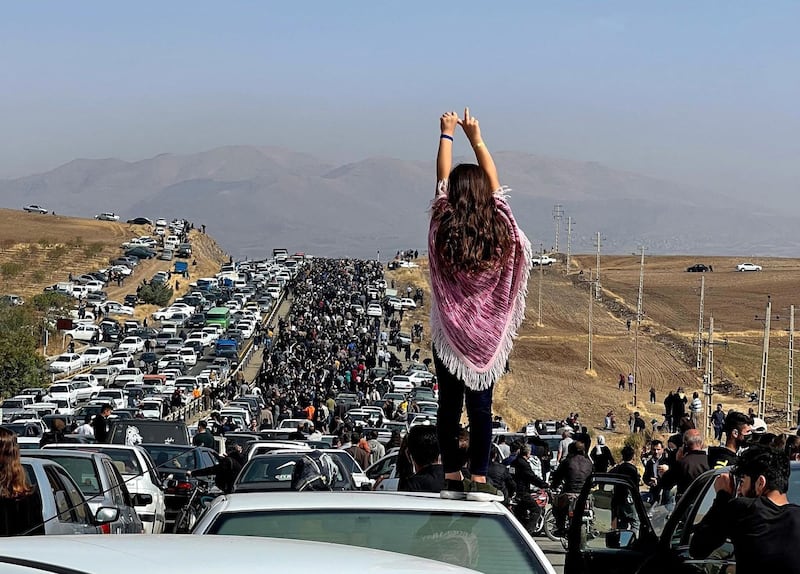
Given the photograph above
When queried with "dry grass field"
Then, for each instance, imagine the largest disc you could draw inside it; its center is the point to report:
(40, 250)
(549, 376)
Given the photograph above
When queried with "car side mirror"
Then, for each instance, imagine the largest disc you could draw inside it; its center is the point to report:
(620, 538)
(105, 515)
(142, 499)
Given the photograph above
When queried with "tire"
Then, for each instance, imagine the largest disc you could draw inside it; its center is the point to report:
(550, 525)
(183, 522)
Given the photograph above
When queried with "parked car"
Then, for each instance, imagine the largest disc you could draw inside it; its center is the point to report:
(140, 221)
(748, 267)
(273, 472)
(107, 216)
(100, 483)
(35, 209)
(85, 390)
(173, 463)
(660, 544)
(83, 332)
(129, 554)
(114, 397)
(141, 252)
(64, 508)
(66, 363)
(138, 471)
(131, 345)
(698, 268)
(487, 536)
(96, 355)
(116, 308)
(105, 375)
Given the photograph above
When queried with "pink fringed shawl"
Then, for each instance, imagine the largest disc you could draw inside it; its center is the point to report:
(475, 315)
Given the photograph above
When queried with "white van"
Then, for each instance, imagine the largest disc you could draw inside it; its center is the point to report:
(171, 242)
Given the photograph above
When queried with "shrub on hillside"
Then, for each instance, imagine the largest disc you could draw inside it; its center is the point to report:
(93, 249)
(155, 294)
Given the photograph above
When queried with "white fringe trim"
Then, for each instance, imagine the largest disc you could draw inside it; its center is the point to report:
(456, 363)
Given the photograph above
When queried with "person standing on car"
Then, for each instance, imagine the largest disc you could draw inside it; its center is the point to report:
(479, 265)
(100, 423)
(752, 510)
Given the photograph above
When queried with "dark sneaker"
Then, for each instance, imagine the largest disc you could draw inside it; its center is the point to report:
(456, 489)
(484, 492)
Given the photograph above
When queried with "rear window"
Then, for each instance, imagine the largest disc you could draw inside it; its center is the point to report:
(82, 471)
(486, 543)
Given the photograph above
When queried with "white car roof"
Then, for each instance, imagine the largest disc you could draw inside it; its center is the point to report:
(169, 553)
(378, 500)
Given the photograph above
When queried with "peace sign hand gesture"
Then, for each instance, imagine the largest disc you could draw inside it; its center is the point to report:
(471, 128)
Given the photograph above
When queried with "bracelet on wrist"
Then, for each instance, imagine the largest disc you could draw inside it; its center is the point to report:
(477, 145)
(446, 137)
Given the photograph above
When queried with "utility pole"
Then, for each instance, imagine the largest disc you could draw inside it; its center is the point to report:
(539, 323)
(790, 379)
(699, 364)
(597, 268)
(558, 215)
(569, 242)
(591, 320)
(762, 388)
(638, 324)
(708, 383)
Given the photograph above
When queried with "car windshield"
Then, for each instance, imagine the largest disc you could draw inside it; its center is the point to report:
(486, 543)
(167, 457)
(274, 468)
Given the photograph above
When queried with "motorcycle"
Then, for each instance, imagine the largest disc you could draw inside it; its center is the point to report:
(188, 516)
(534, 525)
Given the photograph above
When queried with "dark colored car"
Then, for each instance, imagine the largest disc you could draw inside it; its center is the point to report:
(100, 276)
(149, 358)
(143, 333)
(111, 331)
(131, 299)
(698, 268)
(199, 350)
(140, 221)
(173, 463)
(173, 433)
(660, 544)
(195, 321)
(141, 252)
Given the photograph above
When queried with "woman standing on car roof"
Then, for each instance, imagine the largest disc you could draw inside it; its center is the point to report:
(20, 503)
(479, 266)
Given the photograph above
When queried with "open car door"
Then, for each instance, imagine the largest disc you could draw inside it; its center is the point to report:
(610, 532)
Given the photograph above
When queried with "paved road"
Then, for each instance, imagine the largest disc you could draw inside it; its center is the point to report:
(554, 551)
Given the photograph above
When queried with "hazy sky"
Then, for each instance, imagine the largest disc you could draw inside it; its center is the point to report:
(700, 92)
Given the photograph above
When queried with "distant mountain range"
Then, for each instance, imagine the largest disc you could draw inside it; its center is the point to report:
(255, 198)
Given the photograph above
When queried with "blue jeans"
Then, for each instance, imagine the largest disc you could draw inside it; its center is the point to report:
(452, 393)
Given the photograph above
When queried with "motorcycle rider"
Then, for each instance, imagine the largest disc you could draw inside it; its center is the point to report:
(572, 472)
(525, 479)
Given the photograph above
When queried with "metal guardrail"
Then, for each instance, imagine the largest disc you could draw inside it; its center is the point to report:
(195, 406)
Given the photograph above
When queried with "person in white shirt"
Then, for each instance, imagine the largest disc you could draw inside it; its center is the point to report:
(86, 428)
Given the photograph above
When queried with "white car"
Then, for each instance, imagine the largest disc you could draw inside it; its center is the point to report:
(107, 216)
(748, 267)
(374, 310)
(118, 363)
(105, 375)
(213, 332)
(84, 332)
(201, 337)
(164, 361)
(96, 355)
(419, 377)
(114, 397)
(151, 408)
(116, 308)
(84, 389)
(63, 392)
(395, 303)
(132, 345)
(166, 313)
(66, 363)
(121, 269)
(402, 383)
(188, 356)
(486, 534)
(129, 375)
(407, 303)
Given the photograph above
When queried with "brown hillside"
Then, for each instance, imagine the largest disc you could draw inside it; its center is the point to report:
(40, 250)
(549, 377)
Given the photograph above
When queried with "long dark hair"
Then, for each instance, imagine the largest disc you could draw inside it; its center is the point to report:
(13, 479)
(471, 235)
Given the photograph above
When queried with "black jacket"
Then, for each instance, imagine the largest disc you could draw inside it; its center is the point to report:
(100, 427)
(428, 479)
(225, 472)
(683, 472)
(572, 472)
(524, 477)
(500, 477)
